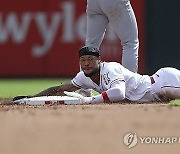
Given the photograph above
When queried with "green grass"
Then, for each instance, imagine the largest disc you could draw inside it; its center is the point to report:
(10, 88)
(175, 102)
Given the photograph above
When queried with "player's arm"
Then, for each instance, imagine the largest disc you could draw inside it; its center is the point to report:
(114, 94)
(52, 91)
(116, 86)
(57, 90)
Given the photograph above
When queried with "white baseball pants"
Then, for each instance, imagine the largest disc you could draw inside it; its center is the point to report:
(167, 83)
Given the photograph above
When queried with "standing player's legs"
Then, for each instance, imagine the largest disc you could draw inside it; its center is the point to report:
(97, 22)
(167, 83)
(123, 21)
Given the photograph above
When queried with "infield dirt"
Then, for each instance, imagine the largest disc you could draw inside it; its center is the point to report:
(86, 129)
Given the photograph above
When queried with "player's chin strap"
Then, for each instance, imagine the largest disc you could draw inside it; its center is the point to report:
(81, 97)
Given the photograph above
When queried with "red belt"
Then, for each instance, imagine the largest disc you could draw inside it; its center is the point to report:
(152, 80)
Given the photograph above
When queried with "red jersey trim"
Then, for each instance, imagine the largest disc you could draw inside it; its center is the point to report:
(105, 96)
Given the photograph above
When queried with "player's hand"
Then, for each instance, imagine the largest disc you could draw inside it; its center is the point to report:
(81, 97)
(20, 97)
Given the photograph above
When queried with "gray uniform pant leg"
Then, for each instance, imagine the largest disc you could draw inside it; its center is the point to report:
(97, 22)
(120, 15)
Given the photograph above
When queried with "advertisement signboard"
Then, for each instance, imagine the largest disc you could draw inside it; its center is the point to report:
(41, 38)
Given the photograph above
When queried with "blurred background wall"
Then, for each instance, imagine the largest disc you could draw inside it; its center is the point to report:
(162, 34)
(41, 38)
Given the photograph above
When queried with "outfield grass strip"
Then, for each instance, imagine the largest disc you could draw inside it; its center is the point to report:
(175, 102)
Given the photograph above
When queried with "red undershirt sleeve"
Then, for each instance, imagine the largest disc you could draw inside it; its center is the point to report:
(114, 94)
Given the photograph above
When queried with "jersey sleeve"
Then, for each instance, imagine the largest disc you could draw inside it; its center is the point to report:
(77, 80)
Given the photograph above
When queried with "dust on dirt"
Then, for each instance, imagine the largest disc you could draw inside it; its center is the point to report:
(80, 129)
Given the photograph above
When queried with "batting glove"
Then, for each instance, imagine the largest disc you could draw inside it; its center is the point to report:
(81, 97)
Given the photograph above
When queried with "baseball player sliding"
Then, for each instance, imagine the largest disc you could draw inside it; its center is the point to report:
(116, 83)
(120, 15)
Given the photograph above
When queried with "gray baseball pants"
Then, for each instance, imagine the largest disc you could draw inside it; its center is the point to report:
(120, 15)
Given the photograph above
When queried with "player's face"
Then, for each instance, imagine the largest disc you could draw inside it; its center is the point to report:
(89, 65)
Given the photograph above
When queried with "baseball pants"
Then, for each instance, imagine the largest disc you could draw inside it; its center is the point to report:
(120, 15)
(167, 83)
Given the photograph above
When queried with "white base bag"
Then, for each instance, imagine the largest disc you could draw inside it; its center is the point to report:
(49, 100)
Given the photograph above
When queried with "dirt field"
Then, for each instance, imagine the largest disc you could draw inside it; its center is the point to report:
(86, 129)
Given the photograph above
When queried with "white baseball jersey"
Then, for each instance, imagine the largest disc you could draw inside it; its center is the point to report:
(138, 87)
(120, 15)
